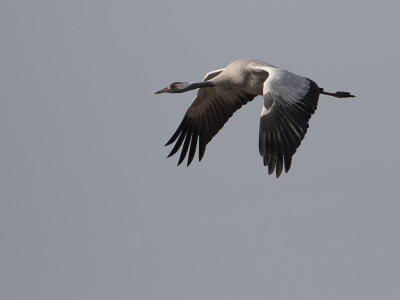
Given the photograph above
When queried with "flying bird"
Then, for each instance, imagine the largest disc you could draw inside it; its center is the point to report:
(289, 102)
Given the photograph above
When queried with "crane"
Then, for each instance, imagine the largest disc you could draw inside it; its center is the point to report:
(289, 102)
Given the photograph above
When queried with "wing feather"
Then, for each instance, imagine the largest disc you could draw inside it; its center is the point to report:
(212, 74)
(289, 102)
(193, 146)
(178, 144)
(205, 117)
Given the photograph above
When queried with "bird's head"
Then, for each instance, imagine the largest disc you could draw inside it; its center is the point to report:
(175, 87)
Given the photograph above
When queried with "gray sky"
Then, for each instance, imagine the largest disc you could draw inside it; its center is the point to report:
(92, 209)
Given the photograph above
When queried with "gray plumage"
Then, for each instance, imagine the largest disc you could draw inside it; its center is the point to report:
(289, 102)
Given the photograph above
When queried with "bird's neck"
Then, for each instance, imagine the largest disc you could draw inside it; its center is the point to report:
(197, 85)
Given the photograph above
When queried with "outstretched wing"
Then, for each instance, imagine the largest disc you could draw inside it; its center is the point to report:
(289, 102)
(207, 114)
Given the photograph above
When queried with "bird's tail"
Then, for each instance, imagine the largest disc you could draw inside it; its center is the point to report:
(337, 94)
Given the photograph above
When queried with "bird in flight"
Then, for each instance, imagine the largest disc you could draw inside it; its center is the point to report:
(289, 102)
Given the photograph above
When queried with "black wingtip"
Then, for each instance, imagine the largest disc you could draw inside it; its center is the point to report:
(202, 147)
(201, 154)
(173, 138)
(288, 162)
(181, 158)
(178, 132)
(185, 147)
(279, 167)
(271, 168)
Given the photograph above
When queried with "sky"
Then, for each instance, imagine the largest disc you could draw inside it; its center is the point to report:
(91, 208)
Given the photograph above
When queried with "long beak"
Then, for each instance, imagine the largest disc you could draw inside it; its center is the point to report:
(163, 90)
